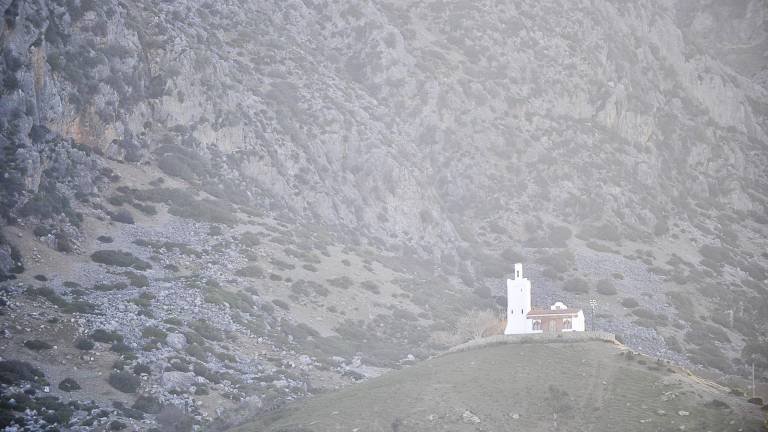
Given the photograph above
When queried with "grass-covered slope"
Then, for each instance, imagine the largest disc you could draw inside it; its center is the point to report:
(574, 386)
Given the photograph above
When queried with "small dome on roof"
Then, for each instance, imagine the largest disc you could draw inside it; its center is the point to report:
(558, 306)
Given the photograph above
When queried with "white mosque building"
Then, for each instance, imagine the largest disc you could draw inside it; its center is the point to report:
(522, 319)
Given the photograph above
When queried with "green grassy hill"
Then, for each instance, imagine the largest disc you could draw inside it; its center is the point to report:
(573, 386)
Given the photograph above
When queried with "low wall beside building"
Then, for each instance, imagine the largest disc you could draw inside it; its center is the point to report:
(536, 338)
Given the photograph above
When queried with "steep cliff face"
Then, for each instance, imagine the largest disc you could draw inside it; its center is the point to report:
(364, 115)
(594, 140)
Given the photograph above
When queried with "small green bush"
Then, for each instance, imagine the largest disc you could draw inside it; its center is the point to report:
(673, 344)
(576, 285)
(147, 209)
(77, 306)
(122, 216)
(206, 330)
(69, 385)
(153, 332)
(702, 334)
(173, 321)
(252, 271)
(15, 371)
(281, 304)
(120, 348)
(606, 287)
(120, 259)
(37, 345)
(141, 368)
(116, 425)
(249, 239)
(370, 286)
(629, 303)
(147, 404)
(342, 282)
(116, 286)
(124, 381)
(197, 352)
(84, 344)
(137, 280)
(101, 335)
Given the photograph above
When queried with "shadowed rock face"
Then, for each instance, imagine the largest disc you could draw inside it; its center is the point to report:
(593, 138)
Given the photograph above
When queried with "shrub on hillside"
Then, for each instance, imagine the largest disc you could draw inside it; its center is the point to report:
(252, 271)
(559, 236)
(343, 282)
(147, 404)
(150, 332)
(117, 425)
(559, 262)
(370, 286)
(702, 334)
(124, 381)
(683, 303)
(657, 319)
(717, 254)
(576, 285)
(14, 371)
(281, 304)
(120, 348)
(605, 232)
(673, 344)
(173, 419)
(147, 209)
(174, 321)
(116, 286)
(37, 345)
(629, 303)
(206, 330)
(197, 352)
(69, 385)
(122, 216)
(249, 239)
(141, 368)
(84, 344)
(175, 166)
(711, 356)
(606, 287)
(104, 336)
(77, 306)
(120, 259)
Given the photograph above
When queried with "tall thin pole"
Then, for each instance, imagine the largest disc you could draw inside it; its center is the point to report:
(753, 379)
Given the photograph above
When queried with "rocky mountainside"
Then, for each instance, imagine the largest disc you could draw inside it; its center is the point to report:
(305, 193)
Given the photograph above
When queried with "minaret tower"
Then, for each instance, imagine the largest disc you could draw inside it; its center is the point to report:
(518, 303)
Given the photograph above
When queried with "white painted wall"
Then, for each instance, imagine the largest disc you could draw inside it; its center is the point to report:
(518, 303)
(578, 323)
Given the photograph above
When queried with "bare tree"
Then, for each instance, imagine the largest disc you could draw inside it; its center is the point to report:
(478, 324)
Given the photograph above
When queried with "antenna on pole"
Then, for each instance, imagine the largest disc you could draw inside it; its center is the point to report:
(593, 305)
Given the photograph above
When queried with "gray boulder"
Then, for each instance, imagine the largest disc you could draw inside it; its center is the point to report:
(176, 341)
(177, 380)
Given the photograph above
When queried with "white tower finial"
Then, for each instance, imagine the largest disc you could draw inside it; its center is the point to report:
(518, 271)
